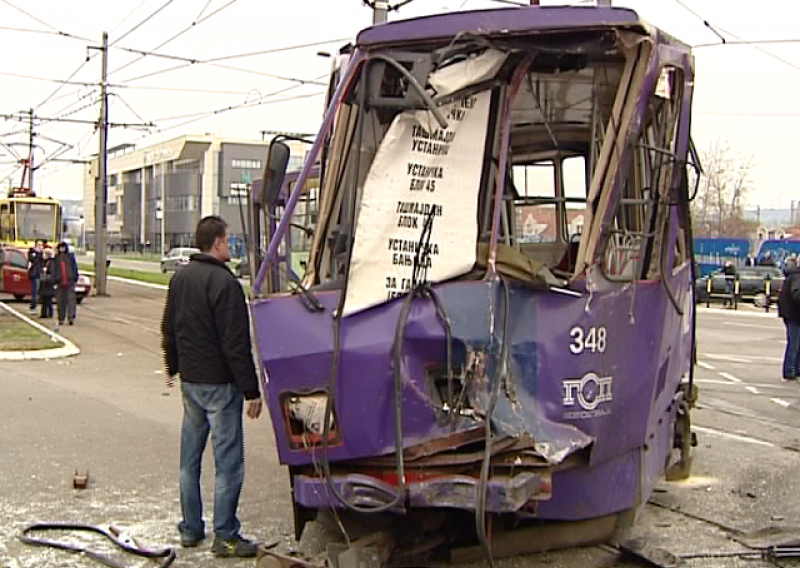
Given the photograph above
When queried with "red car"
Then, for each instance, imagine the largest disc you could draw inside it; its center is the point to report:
(14, 275)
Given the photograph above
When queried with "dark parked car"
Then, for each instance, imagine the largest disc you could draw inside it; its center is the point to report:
(752, 283)
(241, 268)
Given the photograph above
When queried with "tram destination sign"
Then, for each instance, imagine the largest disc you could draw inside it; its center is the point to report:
(420, 171)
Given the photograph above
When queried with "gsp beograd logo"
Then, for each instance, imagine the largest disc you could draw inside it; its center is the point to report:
(589, 394)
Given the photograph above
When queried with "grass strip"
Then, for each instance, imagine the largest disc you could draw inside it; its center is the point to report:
(16, 335)
(140, 275)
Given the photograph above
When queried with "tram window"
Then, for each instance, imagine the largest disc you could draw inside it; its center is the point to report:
(535, 205)
(574, 174)
(639, 233)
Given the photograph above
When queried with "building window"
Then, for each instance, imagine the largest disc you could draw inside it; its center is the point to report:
(112, 180)
(183, 203)
(238, 189)
(246, 164)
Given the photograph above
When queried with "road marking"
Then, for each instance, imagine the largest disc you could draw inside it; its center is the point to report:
(729, 358)
(747, 439)
(781, 387)
(781, 402)
(730, 377)
(753, 390)
(737, 313)
(706, 365)
(769, 327)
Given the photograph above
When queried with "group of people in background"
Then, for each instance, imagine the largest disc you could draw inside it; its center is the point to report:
(53, 276)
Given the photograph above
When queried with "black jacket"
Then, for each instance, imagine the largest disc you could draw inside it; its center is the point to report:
(789, 298)
(35, 262)
(205, 330)
(69, 263)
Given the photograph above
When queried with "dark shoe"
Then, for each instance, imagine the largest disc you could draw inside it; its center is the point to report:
(238, 547)
(187, 542)
(71, 322)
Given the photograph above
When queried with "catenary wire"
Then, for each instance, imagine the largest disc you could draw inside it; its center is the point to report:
(61, 86)
(45, 24)
(129, 107)
(733, 35)
(216, 111)
(143, 22)
(45, 32)
(176, 36)
(125, 19)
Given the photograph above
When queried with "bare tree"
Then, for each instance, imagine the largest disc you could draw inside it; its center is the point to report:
(724, 184)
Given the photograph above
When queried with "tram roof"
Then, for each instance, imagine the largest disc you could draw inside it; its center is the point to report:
(503, 22)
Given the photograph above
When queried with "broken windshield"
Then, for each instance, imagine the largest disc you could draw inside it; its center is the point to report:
(404, 192)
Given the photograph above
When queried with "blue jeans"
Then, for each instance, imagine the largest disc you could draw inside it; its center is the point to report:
(34, 292)
(218, 409)
(791, 357)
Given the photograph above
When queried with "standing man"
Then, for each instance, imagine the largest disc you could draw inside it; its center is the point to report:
(206, 340)
(729, 271)
(789, 311)
(65, 274)
(35, 270)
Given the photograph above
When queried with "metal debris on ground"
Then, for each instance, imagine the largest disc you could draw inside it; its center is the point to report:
(80, 481)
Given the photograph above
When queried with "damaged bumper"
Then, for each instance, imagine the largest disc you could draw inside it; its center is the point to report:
(504, 494)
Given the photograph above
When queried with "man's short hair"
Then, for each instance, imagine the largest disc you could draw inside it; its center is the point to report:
(209, 229)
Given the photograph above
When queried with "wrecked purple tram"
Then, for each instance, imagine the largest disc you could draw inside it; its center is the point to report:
(496, 321)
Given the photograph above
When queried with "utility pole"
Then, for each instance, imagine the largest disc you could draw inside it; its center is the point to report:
(101, 188)
(30, 153)
(380, 9)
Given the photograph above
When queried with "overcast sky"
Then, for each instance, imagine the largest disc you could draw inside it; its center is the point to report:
(741, 93)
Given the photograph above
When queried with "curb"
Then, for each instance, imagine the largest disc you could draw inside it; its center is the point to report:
(773, 314)
(69, 349)
(132, 281)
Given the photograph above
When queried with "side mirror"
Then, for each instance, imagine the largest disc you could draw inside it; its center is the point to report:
(274, 172)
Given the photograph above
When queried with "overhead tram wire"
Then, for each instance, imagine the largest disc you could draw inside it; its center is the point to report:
(233, 107)
(140, 24)
(176, 36)
(44, 32)
(733, 35)
(210, 114)
(61, 86)
(192, 61)
(129, 107)
(45, 24)
(751, 42)
(125, 19)
(270, 75)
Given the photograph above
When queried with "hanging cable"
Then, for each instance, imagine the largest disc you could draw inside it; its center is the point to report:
(125, 19)
(140, 24)
(129, 107)
(733, 35)
(17, 8)
(61, 86)
(176, 36)
(500, 378)
(45, 32)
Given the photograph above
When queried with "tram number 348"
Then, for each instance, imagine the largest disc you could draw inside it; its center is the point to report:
(592, 340)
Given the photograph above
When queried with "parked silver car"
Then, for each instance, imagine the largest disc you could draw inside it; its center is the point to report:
(177, 257)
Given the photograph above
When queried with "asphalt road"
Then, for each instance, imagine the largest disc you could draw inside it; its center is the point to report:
(107, 411)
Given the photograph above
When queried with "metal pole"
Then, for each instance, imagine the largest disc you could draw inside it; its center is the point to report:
(101, 188)
(380, 9)
(163, 210)
(30, 153)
